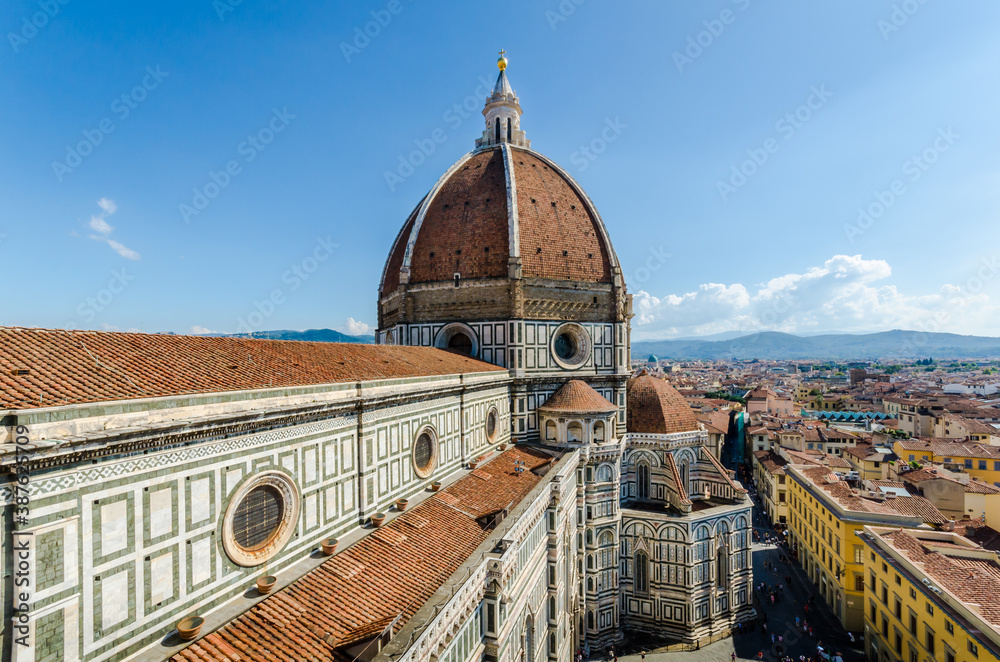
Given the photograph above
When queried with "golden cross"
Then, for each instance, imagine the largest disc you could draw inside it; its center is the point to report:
(502, 51)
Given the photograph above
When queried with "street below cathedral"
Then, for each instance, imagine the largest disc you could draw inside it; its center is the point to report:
(791, 602)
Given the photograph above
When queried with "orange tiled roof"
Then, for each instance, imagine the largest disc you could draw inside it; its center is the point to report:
(395, 570)
(974, 581)
(69, 367)
(655, 407)
(578, 396)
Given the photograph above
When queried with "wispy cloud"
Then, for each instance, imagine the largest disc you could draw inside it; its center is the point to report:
(123, 250)
(107, 205)
(200, 330)
(100, 225)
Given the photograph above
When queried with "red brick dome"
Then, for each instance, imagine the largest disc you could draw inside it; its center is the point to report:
(655, 407)
(497, 211)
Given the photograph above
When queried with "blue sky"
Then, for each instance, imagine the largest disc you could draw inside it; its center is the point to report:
(750, 136)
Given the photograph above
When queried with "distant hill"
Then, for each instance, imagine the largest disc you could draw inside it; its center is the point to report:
(894, 344)
(312, 335)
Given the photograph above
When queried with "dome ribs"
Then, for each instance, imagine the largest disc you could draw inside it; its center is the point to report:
(468, 216)
(554, 217)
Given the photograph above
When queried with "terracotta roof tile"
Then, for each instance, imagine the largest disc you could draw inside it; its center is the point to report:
(357, 593)
(578, 397)
(973, 581)
(655, 407)
(70, 367)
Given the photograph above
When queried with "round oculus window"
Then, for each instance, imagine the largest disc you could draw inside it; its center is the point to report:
(260, 518)
(257, 517)
(492, 418)
(425, 452)
(570, 346)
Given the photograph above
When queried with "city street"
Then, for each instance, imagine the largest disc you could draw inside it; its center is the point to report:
(780, 617)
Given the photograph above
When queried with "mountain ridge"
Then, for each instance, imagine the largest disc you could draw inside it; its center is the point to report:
(774, 345)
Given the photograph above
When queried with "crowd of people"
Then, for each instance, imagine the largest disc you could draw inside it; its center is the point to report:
(770, 590)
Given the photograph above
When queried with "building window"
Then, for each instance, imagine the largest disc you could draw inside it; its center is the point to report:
(508, 129)
(257, 517)
(497, 130)
(425, 452)
(598, 432)
(641, 570)
(930, 609)
(642, 472)
(492, 419)
(260, 518)
(968, 464)
(550, 431)
(949, 627)
(982, 464)
(973, 649)
(570, 346)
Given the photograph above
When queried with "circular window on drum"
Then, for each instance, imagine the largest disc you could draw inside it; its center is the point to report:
(425, 452)
(492, 424)
(570, 346)
(260, 518)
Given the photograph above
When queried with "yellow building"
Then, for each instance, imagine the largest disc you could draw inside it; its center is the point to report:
(871, 463)
(824, 515)
(930, 596)
(980, 461)
(772, 485)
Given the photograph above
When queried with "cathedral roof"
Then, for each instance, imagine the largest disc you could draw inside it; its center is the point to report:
(497, 205)
(655, 407)
(388, 574)
(502, 210)
(51, 367)
(576, 396)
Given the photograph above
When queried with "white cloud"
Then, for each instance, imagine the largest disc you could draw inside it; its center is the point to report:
(847, 293)
(352, 327)
(98, 224)
(200, 330)
(108, 206)
(123, 250)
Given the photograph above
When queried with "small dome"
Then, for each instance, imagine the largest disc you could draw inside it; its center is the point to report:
(578, 397)
(655, 407)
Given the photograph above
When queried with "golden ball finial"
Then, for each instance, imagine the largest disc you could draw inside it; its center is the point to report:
(502, 62)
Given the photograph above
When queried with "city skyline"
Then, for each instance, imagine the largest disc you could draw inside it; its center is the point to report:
(753, 173)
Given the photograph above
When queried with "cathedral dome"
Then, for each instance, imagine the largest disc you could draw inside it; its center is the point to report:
(494, 205)
(655, 407)
(502, 214)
